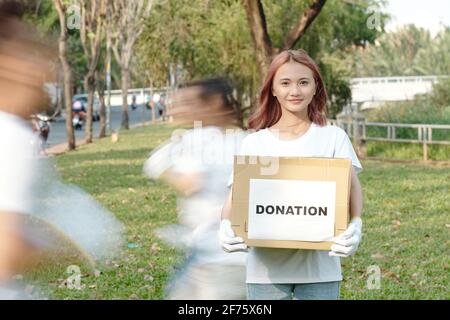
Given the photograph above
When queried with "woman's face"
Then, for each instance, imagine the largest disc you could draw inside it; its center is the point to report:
(294, 87)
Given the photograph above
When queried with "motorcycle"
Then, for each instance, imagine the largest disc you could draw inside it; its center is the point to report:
(77, 120)
(41, 125)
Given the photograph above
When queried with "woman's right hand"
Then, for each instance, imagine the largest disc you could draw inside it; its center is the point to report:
(228, 240)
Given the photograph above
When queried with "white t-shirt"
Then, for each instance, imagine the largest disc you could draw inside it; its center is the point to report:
(208, 152)
(18, 150)
(270, 265)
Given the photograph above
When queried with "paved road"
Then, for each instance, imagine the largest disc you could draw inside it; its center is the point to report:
(58, 128)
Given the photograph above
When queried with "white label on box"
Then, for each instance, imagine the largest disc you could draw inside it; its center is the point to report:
(291, 210)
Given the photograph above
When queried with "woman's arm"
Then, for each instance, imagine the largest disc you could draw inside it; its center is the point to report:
(226, 210)
(347, 243)
(356, 196)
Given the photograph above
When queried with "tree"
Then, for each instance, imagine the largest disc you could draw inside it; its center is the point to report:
(264, 48)
(127, 23)
(213, 38)
(92, 25)
(100, 86)
(199, 39)
(67, 71)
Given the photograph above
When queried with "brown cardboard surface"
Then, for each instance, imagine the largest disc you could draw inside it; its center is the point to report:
(290, 168)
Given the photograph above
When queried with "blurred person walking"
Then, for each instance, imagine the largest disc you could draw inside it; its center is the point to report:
(21, 95)
(198, 163)
(30, 189)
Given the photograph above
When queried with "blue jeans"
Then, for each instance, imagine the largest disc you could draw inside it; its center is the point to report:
(298, 291)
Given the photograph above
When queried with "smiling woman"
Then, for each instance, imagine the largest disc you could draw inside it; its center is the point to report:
(292, 106)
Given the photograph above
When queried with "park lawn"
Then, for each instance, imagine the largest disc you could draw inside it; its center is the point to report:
(406, 151)
(405, 233)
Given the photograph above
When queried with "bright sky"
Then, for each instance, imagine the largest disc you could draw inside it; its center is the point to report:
(429, 14)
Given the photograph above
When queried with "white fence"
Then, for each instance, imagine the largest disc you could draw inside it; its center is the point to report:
(143, 95)
(358, 131)
(380, 89)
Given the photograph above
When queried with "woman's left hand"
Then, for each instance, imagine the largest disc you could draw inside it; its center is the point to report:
(347, 243)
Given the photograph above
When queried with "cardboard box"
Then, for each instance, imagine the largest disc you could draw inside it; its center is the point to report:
(297, 203)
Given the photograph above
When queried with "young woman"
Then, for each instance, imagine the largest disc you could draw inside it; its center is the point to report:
(290, 121)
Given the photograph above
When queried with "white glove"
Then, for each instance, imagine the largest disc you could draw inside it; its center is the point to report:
(347, 243)
(228, 240)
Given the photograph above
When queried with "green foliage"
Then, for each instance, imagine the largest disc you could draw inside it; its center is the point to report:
(415, 112)
(408, 51)
(210, 38)
(440, 95)
(432, 108)
(339, 26)
(203, 39)
(420, 110)
(43, 16)
(407, 151)
(335, 76)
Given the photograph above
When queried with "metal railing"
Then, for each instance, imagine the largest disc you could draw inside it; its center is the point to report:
(390, 80)
(358, 130)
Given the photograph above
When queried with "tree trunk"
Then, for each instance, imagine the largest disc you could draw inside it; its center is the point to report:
(67, 71)
(59, 99)
(89, 87)
(124, 85)
(151, 104)
(108, 80)
(71, 144)
(261, 40)
(101, 97)
(260, 36)
(303, 23)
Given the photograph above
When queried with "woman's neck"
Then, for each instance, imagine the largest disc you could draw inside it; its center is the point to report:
(292, 123)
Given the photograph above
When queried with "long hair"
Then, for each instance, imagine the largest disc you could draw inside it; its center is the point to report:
(269, 110)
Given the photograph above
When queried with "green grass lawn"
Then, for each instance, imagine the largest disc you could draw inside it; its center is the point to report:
(405, 233)
(406, 151)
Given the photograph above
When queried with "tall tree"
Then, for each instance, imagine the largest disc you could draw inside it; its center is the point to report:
(127, 23)
(264, 48)
(67, 71)
(212, 38)
(93, 13)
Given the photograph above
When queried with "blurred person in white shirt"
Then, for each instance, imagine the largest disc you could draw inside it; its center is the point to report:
(37, 210)
(198, 163)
